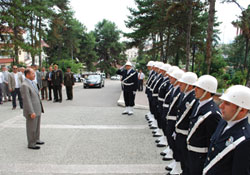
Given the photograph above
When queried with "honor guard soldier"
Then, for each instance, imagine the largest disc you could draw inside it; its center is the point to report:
(162, 90)
(162, 141)
(182, 122)
(154, 91)
(173, 101)
(203, 122)
(229, 151)
(69, 83)
(151, 74)
(130, 84)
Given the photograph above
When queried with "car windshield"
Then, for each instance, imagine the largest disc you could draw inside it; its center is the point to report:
(94, 77)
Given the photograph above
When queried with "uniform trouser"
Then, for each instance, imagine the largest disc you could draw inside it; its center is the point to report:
(195, 162)
(6, 92)
(129, 98)
(69, 92)
(1, 92)
(50, 87)
(151, 105)
(18, 93)
(33, 130)
(159, 113)
(57, 91)
(170, 128)
(181, 151)
(140, 85)
(44, 92)
(154, 107)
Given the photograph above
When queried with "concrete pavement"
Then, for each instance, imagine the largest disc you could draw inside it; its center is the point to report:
(85, 136)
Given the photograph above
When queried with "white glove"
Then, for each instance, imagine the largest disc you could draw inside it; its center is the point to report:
(174, 135)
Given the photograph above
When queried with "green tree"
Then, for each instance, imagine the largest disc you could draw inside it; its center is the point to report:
(109, 49)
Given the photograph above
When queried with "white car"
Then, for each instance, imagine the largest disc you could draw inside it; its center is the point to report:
(115, 77)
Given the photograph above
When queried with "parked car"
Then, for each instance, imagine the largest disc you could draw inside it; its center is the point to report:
(93, 81)
(115, 77)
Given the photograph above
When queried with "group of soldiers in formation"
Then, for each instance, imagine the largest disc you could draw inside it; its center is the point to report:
(199, 137)
(46, 82)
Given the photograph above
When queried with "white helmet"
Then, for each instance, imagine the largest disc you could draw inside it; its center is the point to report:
(238, 95)
(150, 63)
(128, 63)
(159, 65)
(177, 74)
(172, 69)
(165, 67)
(207, 83)
(189, 78)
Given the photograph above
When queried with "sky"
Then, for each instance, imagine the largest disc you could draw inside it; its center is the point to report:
(90, 12)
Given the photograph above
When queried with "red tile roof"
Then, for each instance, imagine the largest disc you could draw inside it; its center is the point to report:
(6, 60)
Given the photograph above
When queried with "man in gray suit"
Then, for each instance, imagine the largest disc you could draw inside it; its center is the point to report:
(32, 109)
(6, 92)
(14, 81)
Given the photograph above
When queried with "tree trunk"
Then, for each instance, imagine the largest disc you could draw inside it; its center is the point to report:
(16, 57)
(40, 41)
(162, 47)
(246, 53)
(167, 47)
(189, 27)
(193, 58)
(210, 34)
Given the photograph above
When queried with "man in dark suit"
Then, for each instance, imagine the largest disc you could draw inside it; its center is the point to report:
(229, 151)
(32, 109)
(57, 82)
(130, 84)
(49, 80)
(203, 122)
(69, 83)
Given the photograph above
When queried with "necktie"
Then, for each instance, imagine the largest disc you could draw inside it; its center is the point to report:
(34, 86)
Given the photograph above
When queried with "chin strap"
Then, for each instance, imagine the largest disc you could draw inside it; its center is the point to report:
(204, 94)
(185, 90)
(175, 82)
(236, 113)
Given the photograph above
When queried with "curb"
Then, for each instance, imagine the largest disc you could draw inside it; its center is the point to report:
(121, 103)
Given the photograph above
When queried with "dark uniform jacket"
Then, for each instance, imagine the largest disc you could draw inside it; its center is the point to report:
(163, 89)
(229, 152)
(129, 80)
(156, 86)
(202, 126)
(150, 82)
(57, 77)
(68, 79)
(151, 75)
(174, 104)
(184, 112)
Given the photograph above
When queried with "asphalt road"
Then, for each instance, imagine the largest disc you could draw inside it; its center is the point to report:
(85, 136)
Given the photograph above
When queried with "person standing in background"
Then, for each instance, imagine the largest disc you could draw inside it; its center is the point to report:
(1, 86)
(69, 83)
(38, 79)
(57, 81)
(15, 81)
(44, 90)
(49, 81)
(141, 77)
(6, 92)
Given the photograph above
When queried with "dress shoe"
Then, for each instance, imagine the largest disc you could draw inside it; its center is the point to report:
(160, 145)
(13, 108)
(40, 143)
(60, 101)
(34, 147)
(163, 154)
(55, 101)
(1, 103)
(167, 159)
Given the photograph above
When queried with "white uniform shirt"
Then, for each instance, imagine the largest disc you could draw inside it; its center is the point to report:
(1, 77)
(141, 75)
(16, 80)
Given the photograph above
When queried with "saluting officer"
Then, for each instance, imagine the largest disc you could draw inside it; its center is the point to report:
(69, 83)
(130, 84)
(182, 122)
(229, 151)
(203, 122)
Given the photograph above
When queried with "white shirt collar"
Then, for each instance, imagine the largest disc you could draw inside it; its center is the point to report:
(187, 93)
